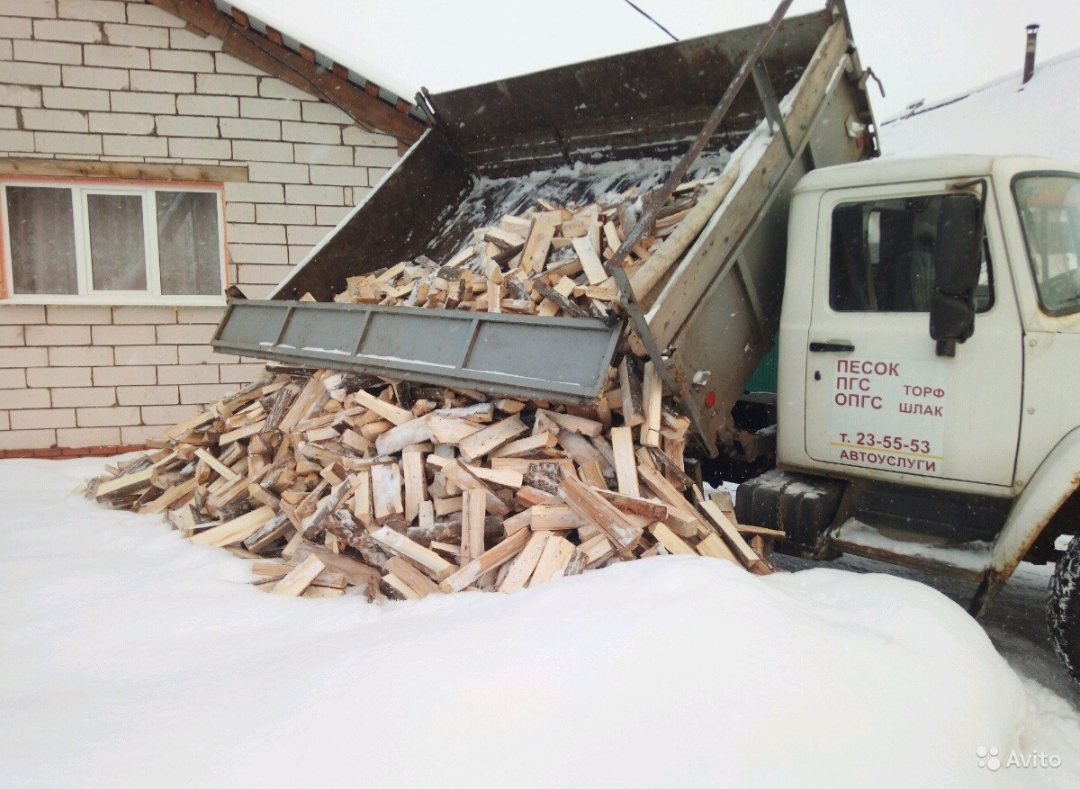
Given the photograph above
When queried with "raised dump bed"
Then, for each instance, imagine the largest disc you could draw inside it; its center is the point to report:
(576, 133)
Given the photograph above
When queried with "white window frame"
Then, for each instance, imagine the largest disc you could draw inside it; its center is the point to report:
(87, 295)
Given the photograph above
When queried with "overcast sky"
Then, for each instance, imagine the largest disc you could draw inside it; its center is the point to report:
(919, 48)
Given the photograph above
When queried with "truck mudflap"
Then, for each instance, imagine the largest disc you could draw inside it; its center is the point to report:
(562, 359)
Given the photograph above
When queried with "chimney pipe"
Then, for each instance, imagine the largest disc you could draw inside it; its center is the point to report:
(1029, 54)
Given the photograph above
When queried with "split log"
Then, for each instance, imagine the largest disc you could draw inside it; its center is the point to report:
(412, 464)
(401, 544)
(270, 532)
(236, 530)
(472, 524)
(731, 535)
(547, 517)
(293, 584)
(670, 540)
(622, 441)
(491, 438)
(650, 274)
(523, 566)
(489, 560)
(386, 491)
(553, 561)
(464, 479)
(630, 388)
(652, 393)
(419, 582)
(591, 506)
(394, 440)
(590, 260)
(388, 411)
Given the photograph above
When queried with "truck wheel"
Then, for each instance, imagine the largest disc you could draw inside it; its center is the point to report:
(1063, 608)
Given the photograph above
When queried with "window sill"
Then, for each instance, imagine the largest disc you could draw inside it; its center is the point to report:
(122, 300)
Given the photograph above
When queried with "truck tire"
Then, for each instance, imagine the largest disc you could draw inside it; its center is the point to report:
(1063, 608)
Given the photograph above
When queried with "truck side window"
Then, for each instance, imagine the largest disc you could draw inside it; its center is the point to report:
(884, 254)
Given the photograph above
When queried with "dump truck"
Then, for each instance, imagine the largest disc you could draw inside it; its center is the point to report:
(926, 312)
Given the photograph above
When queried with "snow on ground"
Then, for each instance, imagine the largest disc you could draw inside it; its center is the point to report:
(130, 658)
(1001, 117)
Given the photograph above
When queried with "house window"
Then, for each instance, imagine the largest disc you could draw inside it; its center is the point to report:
(87, 242)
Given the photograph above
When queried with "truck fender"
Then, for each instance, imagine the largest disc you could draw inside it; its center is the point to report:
(1054, 481)
(1050, 487)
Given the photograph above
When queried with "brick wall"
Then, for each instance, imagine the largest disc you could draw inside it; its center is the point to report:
(126, 82)
(73, 376)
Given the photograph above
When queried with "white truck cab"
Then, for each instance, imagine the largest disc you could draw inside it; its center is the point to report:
(863, 390)
(937, 411)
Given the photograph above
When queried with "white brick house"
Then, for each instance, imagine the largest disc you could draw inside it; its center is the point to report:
(145, 166)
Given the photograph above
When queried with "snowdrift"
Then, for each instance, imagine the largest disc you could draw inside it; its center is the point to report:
(130, 658)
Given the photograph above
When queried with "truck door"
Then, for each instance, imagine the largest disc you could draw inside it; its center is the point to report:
(878, 397)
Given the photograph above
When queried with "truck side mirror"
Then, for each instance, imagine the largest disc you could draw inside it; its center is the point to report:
(956, 275)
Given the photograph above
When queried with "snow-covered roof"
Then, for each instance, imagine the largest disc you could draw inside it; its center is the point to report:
(322, 59)
(1041, 118)
(276, 52)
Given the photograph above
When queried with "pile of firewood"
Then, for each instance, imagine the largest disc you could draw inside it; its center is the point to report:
(331, 479)
(548, 260)
(328, 480)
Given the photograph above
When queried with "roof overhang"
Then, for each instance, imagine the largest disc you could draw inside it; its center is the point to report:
(282, 56)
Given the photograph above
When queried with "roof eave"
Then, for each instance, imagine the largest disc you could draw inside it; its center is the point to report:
(299, 69)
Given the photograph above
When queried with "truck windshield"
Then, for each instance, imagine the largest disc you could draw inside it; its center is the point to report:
(1049, 207)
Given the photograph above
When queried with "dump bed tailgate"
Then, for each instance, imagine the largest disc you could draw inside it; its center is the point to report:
(515, 355)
